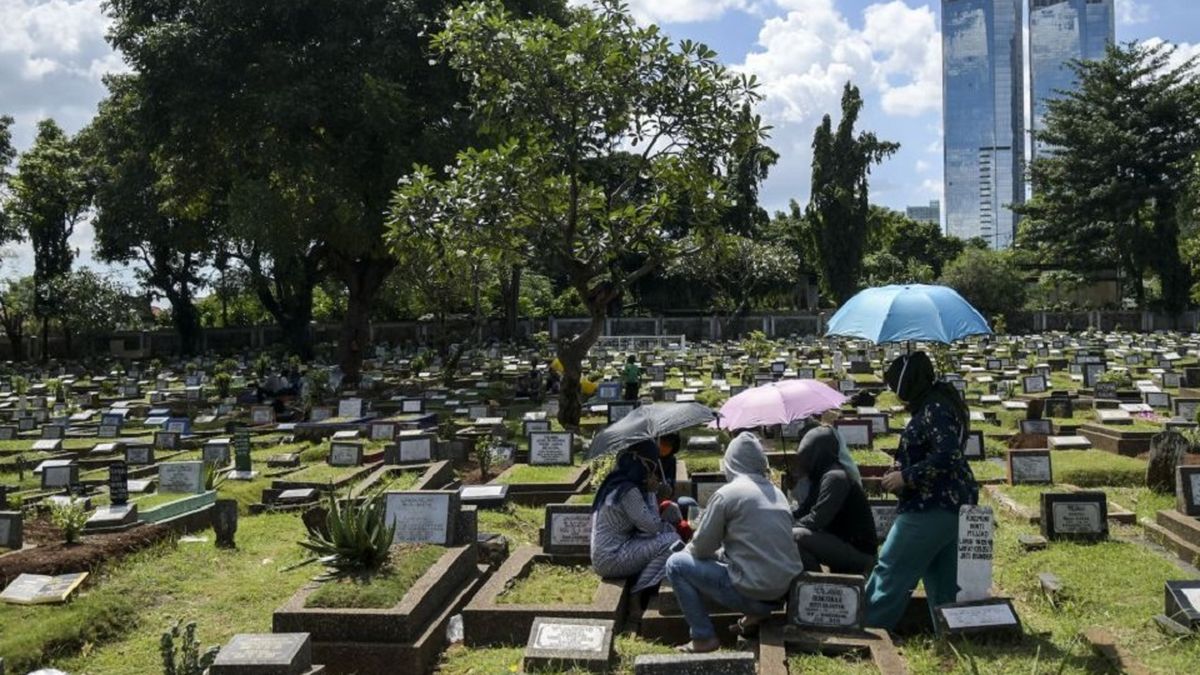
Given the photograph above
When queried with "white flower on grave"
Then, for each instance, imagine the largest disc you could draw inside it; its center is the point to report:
(573, 59)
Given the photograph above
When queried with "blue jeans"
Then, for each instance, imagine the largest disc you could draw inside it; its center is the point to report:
(691, 577)
(921, 547)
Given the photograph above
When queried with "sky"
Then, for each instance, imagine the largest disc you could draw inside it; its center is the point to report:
(53, 56)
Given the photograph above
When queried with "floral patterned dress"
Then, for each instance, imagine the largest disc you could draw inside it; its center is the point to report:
(936, 473)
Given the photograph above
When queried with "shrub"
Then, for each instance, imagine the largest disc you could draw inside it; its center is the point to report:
(355, 539)
(70, 518)
(185, 659)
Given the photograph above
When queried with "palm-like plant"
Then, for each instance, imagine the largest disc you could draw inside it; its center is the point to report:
(355, 539)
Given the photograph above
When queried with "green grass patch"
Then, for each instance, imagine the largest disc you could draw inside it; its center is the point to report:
(519, 524)
(987, 470)
(382, 590)
(702, 463)
(321, 473)
(1093, 468)
(459, 660)
(816, 664)
(525, 473)
(547, 584)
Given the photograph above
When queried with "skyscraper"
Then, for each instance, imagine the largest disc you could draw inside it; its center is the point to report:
(1061, 31)
(983, 114)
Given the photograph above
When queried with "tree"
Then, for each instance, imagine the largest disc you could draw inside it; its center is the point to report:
(1123, 143)
(321, 104)
(837, 214)
(16, 310)
(8, 230)
(92, 306)
(567, 101)
(141, 216)
(990, 280)
(910, 241)
(49, 196)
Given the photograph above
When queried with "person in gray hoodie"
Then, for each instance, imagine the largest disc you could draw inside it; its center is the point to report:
(742, 555)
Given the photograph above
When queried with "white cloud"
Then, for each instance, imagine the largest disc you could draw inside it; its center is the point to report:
(685, 11)
(1184, 51)
(1131, 12)
(921, 166)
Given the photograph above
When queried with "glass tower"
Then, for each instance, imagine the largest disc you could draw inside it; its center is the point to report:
(983, 113)
(1061, 31)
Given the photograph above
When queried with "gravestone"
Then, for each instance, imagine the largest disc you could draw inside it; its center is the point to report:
(535, 426)
(287, 460)
(38, 589)
(996, 616)
(831, 602)
(243, 465)
(118, 485)
(974, 449)
(856, 433)
(11, 529)
(1029, 467)
(483, 496)
(1033, 384)
(8, 433)
(974, 553)
(568, 529)
(617, 410)
(705, 485)
(412, 406)
(216, 452)
(139, 455)
(550, 448)
(346, 454)
(180, 426)
(107, 431)
(884, 513)
(410, 450)
(266, 654)
(1186, 408)
(715, 663)
(608, 391)
(166, 440)
(350, 408)
(53, 432)
(262, 414)
(383, 431)
(181, 477)
(1183, 602)
(1158, 399)
(1036, 427)
(1076, 516)
(425, 517)
(569, 644)
(1187, 490)
(59, 473)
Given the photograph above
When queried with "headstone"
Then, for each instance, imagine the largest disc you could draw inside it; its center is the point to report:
(37, 589)
(216, 452)
(827, 602)
(1158, 399)
(705, 485)
(345, 454)
(262, 414)
(166, 440)
(1185, 409)
(139, 455)
(414, 406)
(1077, 516)
(320, 413)
(884, 513)
(410, 449)
(1114, 416)
(994, 616)
(181, 477)
(568, 529)
(1033, 384)
(856, 433)
(243, 465)
(1183, 602)
(1187, 490)
(8, 433)
(383, 431)
(59, 473)
(569, 644)
(265, 654)
(181, 426)
(550, 448)
(287, 460)
(350, 408)
(1029, 467)
(1037, 427)
(975, 449)
(483, 496)
(617, 410)
(425, 517)
(118, 486)
(11, 529)
(608, 391)
(974, 553)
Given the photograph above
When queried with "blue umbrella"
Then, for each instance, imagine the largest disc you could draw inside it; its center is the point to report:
(916, 312)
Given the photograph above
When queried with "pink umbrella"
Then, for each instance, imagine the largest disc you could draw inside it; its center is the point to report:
(778, 403)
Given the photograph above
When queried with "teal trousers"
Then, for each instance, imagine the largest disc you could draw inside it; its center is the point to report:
(921, 547)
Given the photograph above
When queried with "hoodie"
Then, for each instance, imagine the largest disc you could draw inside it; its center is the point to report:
(748, 526)
(837, 505)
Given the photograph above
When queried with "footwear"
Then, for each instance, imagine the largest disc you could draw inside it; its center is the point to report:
(747, 626)
(699, 646)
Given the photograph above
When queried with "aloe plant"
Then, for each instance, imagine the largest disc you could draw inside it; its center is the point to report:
(355, 539)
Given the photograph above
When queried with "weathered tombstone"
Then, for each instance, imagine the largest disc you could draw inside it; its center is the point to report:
(166, 440)
(1166, 451)
(224, 522)
(884, 513)
(550, 448)
(53, 432)
(1060, 408)
(139, 455)
(37, 589)
(11, 529)
(569, 644)
(1076, 516)
(410, 449)
(383, 431)
(1036, 427)
(995, 616)
(1033, 384)
(1183, 602)
(346, 454)
(262, 414)
(568, 529)
(59, 473)
(827, 602)
(181, 477)
(425, 517)
(1029, 467)
(216, 452)
(266, 653)
(974, 553)
(1187, 490)
(320, 413)
(243, 465)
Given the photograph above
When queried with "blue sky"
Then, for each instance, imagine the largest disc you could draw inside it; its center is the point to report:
(53, 54)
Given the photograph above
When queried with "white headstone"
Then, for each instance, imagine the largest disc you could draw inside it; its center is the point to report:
(974, 553)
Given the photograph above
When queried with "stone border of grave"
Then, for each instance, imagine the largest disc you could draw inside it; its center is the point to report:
(1116, 512)
(186, 504)
(1116, 441)
(487, 622)
(872, 644)
(1175, 532)
(434, 476)
(285, 484)
(540, 494)
(400, 624)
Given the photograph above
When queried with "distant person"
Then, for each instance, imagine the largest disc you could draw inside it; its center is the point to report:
(834, 523)
(932, 478)
(631, 376)
(743, 555)
(629, 537)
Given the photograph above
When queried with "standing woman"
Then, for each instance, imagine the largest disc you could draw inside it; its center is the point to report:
(932, 479)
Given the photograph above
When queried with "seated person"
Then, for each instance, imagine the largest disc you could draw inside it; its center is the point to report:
(674, 511)
(800, 485)
(629, 538)
(742, 555)
(834, 523)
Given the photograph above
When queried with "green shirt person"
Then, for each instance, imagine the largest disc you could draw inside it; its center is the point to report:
(631, 376)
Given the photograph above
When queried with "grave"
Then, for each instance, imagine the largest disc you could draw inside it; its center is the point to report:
(181, 477)
(216, 452)
(1027, 467)
(716, 663)
(425, 517)
(266, 654)
(1183, 602)
(410, 448)
(828, 602)
(243, 467)
(342, 453)
(884, 513)
(483, 496)
(38, 589)
(975, 525)
(1187, 490)
(996, 616)
(1076, 516)
(59, 473)
(11, 530)
(704, 485)
(567, 530)
(550, 448)
(569, 644)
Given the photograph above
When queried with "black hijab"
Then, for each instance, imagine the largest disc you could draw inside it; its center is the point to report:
(913, 379)
(630, 472)
(818, 454)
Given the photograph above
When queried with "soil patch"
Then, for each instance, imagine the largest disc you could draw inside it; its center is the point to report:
(51, 556)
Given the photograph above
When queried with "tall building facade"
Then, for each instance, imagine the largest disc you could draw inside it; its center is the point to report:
(926, 214)
(1061, 31)
(983, 113)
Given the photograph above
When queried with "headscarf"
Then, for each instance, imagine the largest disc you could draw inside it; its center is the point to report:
(630, 472)
(913, 379)
(818, 454)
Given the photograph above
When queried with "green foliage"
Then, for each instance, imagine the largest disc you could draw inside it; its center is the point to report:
(184, 658)
(758, 346)
(70, 518)
(222, 382)
(600, 468)
(16, 311)
(1125, 140)
(355, 538)
(738, 270)
(213, 478)
(905, 250)
(835, 224)
(989, 280)
(8, 231)
(1121, 378)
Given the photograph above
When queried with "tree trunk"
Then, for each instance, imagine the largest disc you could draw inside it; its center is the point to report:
(67, 340)
(510, 293)
(571, 353)
(363, 278)
(288, 297)
(45, 356)
(16, 342)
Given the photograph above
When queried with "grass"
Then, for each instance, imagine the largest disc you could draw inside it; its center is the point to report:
(459, 660)
(1090, 468)
(321, 473)
(525, 473)
(382, 590)
(114, 624)
(519, 524)
(816, 664)
(986, 470)
(548, 584)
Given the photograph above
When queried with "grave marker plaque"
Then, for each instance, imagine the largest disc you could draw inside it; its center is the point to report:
(107, 431)
(1187, 490)
(346, 454)
(1186, 408)
(884, 513)
(536, 426)
(139, 455)
(216, 452)
(11, 529)
(262, 414)
(243, 466)
(1029, 467)
(974, 553)
(1077, 516)
(409, 450)
(180, 426)
(568, 529)
(974, 449)
(1033, 384)
(617, 410)
(827, 602)
(996, 616)
(856, 433)
(118, 485)
(425, 517)
(320, 413)
(273, 653)
(8, 433)
(1036, 427)
(350, 408)
(705, 485)
(412, 406)
(1060, 408)
(36, 589)
(59, 473)
(181, 477)
(383, 431)
(608, 391)
(166, 440)
(1183, 602)
(1105, 391)
(1158, 399)
(558, 644)
(548, 448)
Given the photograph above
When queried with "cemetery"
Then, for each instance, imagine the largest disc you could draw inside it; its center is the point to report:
(487, 501)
